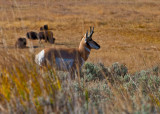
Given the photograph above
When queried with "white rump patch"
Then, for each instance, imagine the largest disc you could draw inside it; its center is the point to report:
(64, 64)
(93, 46)
(40, 58)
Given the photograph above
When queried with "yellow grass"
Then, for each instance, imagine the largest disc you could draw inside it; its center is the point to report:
(128, 31)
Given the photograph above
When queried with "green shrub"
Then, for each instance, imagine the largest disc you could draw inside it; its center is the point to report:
(118, 69)
(100, 72)
(25, 89)
(94, 72)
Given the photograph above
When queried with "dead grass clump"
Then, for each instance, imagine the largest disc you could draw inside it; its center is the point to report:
(24, 89)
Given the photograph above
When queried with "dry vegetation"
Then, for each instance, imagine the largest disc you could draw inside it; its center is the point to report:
(128, 32)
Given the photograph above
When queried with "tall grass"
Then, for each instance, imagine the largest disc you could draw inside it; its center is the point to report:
(26, 88)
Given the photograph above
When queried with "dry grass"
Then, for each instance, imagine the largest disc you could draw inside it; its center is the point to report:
(127, 30)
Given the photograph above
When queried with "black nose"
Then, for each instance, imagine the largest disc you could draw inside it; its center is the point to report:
(99, 46)
(96, 44)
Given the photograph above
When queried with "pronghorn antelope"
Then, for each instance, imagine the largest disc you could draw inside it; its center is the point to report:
(70, 60)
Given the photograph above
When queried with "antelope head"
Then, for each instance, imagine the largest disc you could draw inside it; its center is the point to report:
(90, 42)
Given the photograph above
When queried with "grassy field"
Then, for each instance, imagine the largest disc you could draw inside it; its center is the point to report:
(128, 32)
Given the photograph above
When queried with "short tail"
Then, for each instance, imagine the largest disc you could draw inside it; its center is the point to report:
(40, 59)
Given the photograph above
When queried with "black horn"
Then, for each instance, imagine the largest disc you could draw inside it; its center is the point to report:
(91, 32)
(87, 34)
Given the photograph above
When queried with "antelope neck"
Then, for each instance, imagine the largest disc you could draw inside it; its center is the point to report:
(84, 52)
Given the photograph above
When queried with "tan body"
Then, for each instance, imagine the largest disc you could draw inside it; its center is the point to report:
(66, 59)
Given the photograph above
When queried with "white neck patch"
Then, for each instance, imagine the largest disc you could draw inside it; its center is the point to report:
(87, 49)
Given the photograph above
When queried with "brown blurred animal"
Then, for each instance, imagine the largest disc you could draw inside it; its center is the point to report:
(45, 27)
(32, 35)
(46, 35)
(21, 43)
